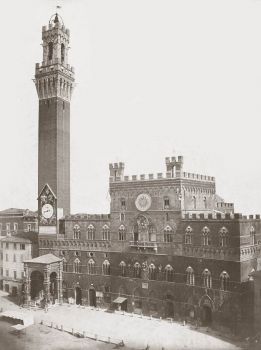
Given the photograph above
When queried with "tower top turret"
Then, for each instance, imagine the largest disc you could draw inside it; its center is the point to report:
(56, 18)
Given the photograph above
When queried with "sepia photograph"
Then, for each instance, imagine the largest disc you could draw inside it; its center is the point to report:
(130, 183)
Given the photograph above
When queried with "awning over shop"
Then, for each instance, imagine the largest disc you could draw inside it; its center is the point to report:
(119, 300)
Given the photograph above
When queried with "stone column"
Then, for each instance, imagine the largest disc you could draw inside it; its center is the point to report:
(47, 284)
(27, 285)
(60, 282)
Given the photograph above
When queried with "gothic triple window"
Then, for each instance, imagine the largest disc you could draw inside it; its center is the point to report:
(122, 233)
(190, 276)
(76, 266)
(152, 272)
(76, 232)
(137, 270)
(106, 267)
(123, 268)
(188, 235)
(168, 234)
(206, 236)
(91, 267)
(169, 273)
(224, 280)
(106, 233)
(223, 237)
(252, 235)
(207, 279)
(123, 203)
(91, 232)
(166, 202)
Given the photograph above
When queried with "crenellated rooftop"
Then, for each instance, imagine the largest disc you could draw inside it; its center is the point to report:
(174, 170)
(162, 176)
(219, 216)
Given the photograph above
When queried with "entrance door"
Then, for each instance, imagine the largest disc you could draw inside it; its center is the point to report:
(14, 291)
(169, 309)
(124, 305)
(92, 296)
(206, 315)
(78, 296)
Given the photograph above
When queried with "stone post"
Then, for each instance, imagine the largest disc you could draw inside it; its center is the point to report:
(60, 282)
(27, 285)
(47, 284)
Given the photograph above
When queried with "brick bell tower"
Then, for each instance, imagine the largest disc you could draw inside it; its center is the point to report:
(54, 81)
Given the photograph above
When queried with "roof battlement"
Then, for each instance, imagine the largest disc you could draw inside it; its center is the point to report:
(219, 216)
(174, 170)
(163, 176)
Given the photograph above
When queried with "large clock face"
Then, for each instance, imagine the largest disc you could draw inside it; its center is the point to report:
(143, 202)
(47, 211)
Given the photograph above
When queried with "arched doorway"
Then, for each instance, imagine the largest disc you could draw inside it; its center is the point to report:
(37, 287)
(206, 315)
(169, 307)
(137, 302)
(206, 306)
(78, 296)
(53, 286)
(92, 297)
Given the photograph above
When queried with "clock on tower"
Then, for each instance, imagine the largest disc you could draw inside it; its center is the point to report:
(47, 211)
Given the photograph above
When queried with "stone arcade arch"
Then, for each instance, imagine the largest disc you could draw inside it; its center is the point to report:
(43, 279)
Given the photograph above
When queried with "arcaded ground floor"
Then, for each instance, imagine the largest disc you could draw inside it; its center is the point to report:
(136, 332)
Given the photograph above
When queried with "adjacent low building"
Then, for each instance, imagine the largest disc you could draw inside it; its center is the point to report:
(15, 220)
(14, 250)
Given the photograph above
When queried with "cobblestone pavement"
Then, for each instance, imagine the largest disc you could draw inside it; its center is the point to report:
(136, 332)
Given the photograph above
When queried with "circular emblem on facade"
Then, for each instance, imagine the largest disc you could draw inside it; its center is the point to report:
(143, 202)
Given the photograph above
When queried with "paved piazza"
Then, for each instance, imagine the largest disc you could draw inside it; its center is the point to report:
(137, 333)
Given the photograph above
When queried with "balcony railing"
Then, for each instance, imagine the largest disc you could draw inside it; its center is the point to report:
(144, 245)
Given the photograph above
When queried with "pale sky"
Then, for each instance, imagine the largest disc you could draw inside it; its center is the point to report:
(155, 78)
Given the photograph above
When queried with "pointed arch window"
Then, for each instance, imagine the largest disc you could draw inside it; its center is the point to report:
(207, 279)
(168, 234)
(65, 265)
(205, 202)
(169, 273)
(50, 50)
(194, 201)
(224, 280)
(190, 276)
(76, 232)
(188, 235)
(122, 233)
(223, 237)
(91, 267)
(106, 233)
(106, 267)
(152, 272)
(252, 235)
(206, 236)
(123, 268)
(91, 232)
(137, 270)
(76, 266)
